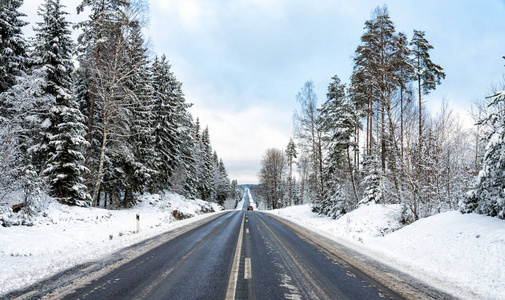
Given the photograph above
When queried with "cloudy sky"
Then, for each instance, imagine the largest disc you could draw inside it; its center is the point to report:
(242, 62)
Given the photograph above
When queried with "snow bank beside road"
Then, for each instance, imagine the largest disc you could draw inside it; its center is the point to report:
(463, 254)
(67, 236)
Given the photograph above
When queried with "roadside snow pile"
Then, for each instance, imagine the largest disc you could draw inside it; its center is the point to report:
(466, 251)
(64, 236)
(359, 225)
(462, 254)
(240, 204)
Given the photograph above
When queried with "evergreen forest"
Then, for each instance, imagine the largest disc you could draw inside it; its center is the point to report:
(373, 140)
(99, 120)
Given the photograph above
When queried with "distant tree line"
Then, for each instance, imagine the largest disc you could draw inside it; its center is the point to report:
(100, 133)
(372, 141)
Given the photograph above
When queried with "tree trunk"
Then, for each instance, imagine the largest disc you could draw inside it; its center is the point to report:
(393, 145)
(303, 184)
(290, 182)
(367, 128)
(320, 150)
(352, 176)
(370, 111)
(127, 197)
(99, 177)
(383, 137)
(420, 108)
(401, 120)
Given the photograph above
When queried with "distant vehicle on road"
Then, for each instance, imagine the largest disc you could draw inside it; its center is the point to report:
(250, 208)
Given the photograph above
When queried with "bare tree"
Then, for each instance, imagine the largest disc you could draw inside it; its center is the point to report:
(271, 175)
(308, 133)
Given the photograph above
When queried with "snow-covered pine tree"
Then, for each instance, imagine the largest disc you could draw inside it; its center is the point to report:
(11, 160)
(28, 106)
(290, 156)
(488, 195)
(334, 203)
(13, 57)
(373, 181)
(165, 122)
(14, 140)
(65, 168)
(236, 192)
(198, 154)
(63, 138)
(222, 182)
(338, 121)
(188, 160)
(206, 182)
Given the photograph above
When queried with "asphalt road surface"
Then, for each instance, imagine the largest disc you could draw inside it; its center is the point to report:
(236, 255)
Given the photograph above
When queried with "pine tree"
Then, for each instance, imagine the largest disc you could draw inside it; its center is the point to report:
(13, 57)
(14, 140)
(404, 72)
(290, 155)
(488, 196)
(136, 158)
(338, 121)
(222, 182)
(334, 203)
(185, 178)
(427, 74)
(373, 181)
(65, 168)
(65, 131)
(206, 182)
(235, 191)
(170, 117)
(362, 88)
(11, 160)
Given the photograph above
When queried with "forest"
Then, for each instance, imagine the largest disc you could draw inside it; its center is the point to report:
(373, 140)
(100, 120)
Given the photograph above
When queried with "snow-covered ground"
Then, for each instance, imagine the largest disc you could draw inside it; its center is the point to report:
(461, 254)
(240, 204)
(66, 236)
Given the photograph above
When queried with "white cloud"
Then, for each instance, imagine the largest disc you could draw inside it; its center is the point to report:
(244, 135)
(189, 13)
